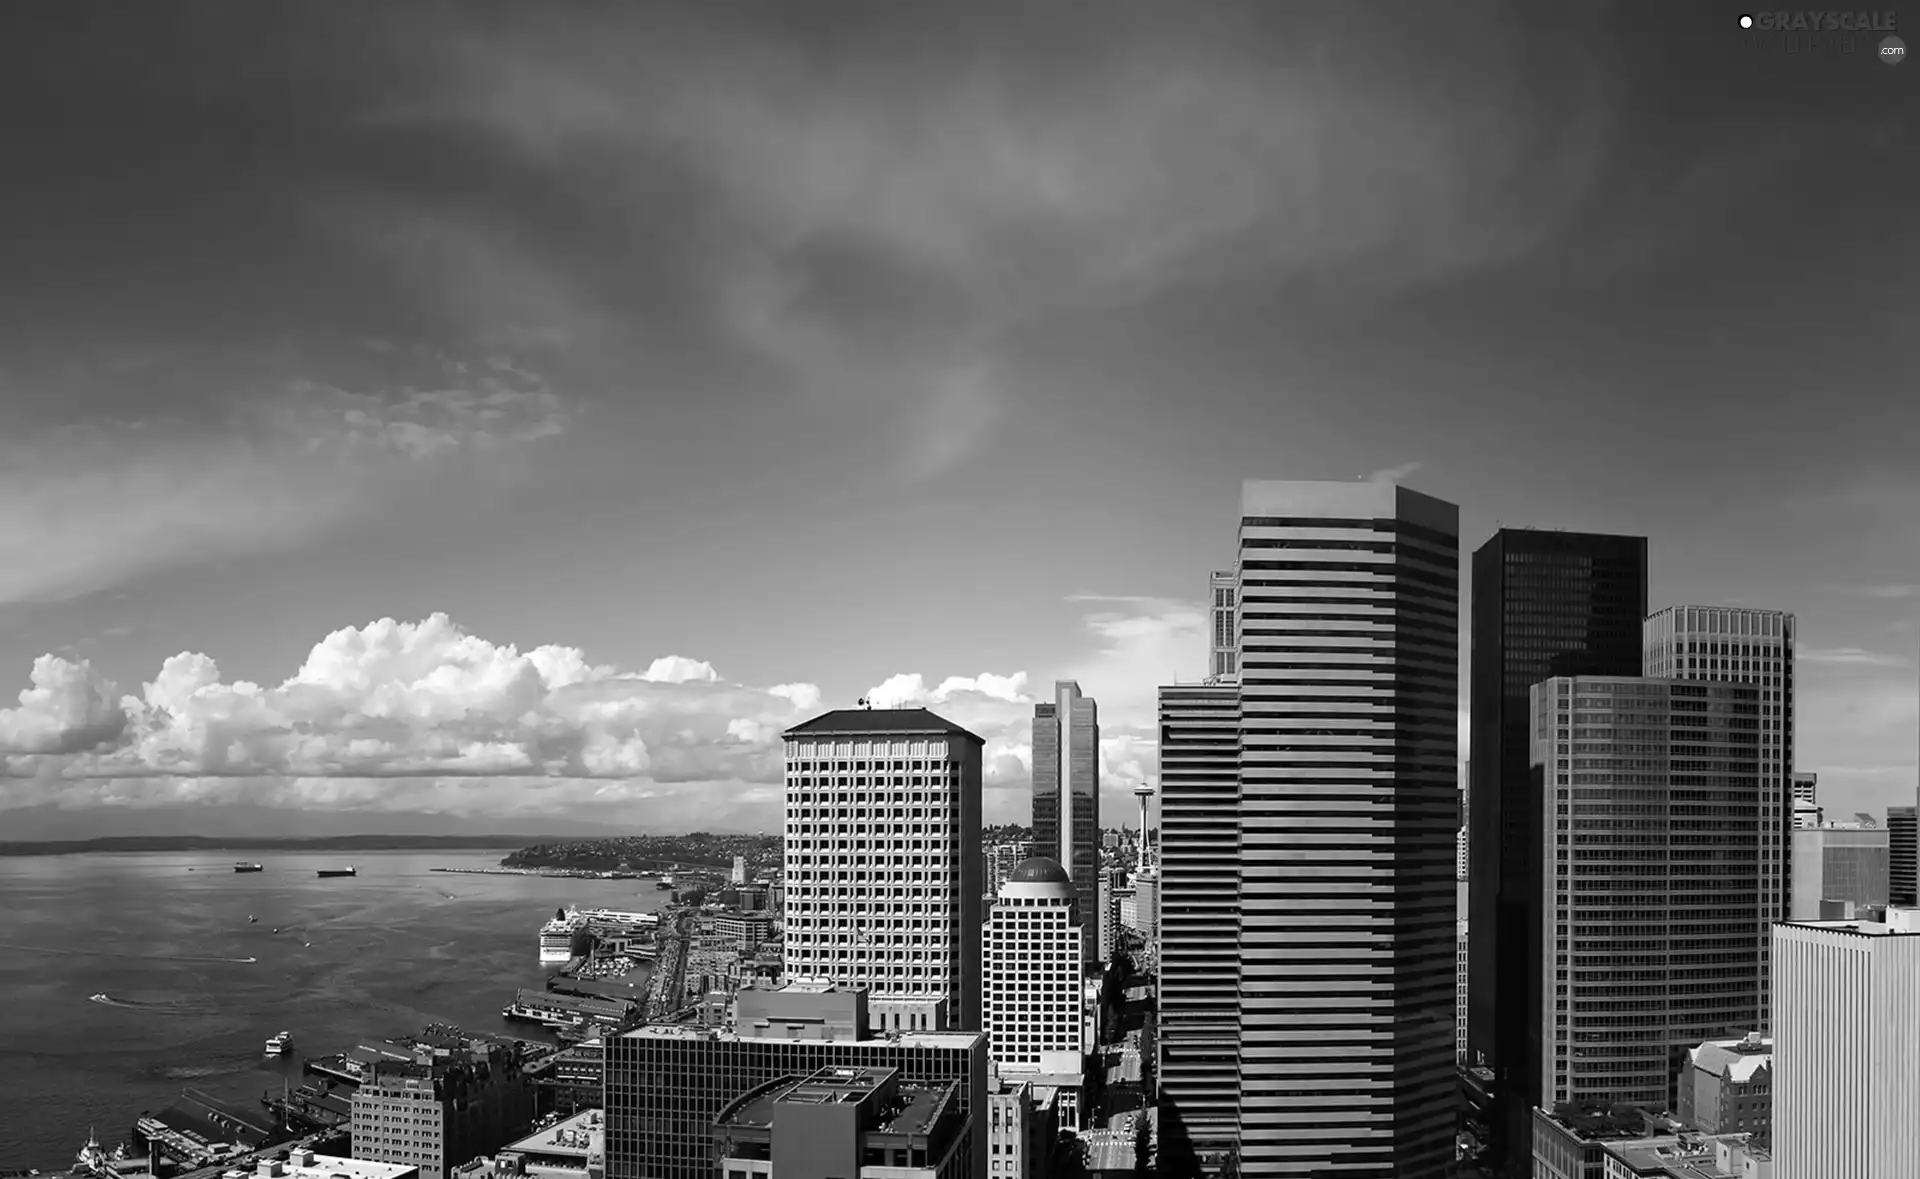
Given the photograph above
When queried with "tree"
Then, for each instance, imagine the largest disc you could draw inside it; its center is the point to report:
(1070, 1157)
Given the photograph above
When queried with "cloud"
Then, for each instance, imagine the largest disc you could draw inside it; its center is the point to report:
(1393, 474)
(878, 211)
(1849, 656)
(1884, 592)
(98, 503)
(399, 716)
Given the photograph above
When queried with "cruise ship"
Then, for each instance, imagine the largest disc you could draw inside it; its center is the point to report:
(556, 936)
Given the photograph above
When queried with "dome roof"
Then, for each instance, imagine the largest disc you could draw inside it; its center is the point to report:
(1039, 870)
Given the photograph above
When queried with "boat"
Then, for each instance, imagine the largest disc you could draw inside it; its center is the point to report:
(556, 937)
(664, 884)
(244, 866)
(94, 1159)
(280, 1045)
(102, 997)
(349, 870)
(252, 920)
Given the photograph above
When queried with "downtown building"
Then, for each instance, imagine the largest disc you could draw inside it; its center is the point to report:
(1327, 773)
(1066, 793)
(1545, 604)
(674, 1092)
(1845, 1073)
(1035, 978)
(883, 863)
(1901, 856)
(1655, 880)
(449, 1103)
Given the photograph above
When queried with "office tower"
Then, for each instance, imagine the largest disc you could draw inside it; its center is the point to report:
(842, 1120)
(1032, 956)
(1066, 791)
(668, 1083)
(739, 871)
(1845, 1073)
(1840, 870)
(1726, 1087)
(1900, 856)
(1654, 813)
(441, 1108)
(1349, 738)
(1544, 604)
(883, 862)
(1223, 662)
(1198, 1025)
(1737, 645)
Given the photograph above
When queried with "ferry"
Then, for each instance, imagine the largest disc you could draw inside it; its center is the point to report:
(243, 866)
(280, 1044)
(349, 870)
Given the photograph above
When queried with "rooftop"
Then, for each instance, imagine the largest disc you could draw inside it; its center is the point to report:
(675, 1031)
(1900, 923)
(1733, 1060)
(852, 721)
(304, 1164)
(1039, 870)
(571, 1137)
(917, 1110)
(1686, 1156)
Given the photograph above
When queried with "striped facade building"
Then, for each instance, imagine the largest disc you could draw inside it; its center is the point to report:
(1846, 1077)
(1348, 639)
(1198, 1024)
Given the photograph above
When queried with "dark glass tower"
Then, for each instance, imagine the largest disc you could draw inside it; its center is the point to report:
(1900, 855)
(1545, 604)
(1066, 795)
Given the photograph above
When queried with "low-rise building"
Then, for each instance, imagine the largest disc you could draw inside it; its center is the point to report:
(843, 1121)
(1571, 1142)
(1687, 1156)
(743, 930)
(305, 1164)
(1021, 1128)
(442, 1107)
(1726, 1087)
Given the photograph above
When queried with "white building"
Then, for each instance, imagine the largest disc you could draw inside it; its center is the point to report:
(1031, 954)
(1020, 1129)
(305, 1164)
(1846, 1078)
(739, 871)
(883, 863)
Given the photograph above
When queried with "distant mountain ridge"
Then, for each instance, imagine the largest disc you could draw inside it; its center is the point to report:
(169, 843)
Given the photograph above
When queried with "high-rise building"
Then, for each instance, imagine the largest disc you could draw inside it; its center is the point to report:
(1840, 870)
(668, 1084)
(883, 867)
(842, 1120)
(1349, 703)
(1845, 1073)
(739, 876)
(1900, 856)
(1033, 971)
(1198, 1024)
(1740, 645)
(1066, 791)
(1654, 878)
(1000, 860)
(1461, 977)
(1223, 661)
(1544, 604)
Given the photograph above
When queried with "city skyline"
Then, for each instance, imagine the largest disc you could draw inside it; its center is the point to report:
(649, 350)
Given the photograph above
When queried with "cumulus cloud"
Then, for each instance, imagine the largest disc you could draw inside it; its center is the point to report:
(1394, 474)
(1849, 656)
(398, 715)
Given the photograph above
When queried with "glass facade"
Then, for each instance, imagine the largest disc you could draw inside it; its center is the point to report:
(1544, 604)
(1066, 794)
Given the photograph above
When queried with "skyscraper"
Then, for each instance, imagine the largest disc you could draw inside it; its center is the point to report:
(1655, 880)
(1223, 661)
(1066, 793)
(1198, 1025)
(883, 864)
(1739, 645)
(1900, 855)
(1034, 980)
(1349, 700)
(1544, 604)
(1844, 1069)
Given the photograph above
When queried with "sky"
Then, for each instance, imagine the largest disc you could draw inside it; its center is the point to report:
(488, 417)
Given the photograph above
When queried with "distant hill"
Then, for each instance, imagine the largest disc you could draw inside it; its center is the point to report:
(174, 843)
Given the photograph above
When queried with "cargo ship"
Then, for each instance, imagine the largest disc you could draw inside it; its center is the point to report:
(349, 870)
(246, 867)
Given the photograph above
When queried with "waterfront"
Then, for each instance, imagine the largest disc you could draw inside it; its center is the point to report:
(193, 990)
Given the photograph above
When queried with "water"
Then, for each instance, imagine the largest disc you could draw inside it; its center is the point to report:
(192, 990)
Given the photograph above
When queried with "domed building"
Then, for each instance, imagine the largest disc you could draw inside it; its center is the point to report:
(1032, 990)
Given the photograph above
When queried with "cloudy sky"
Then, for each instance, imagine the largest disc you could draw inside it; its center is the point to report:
(518, 414)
